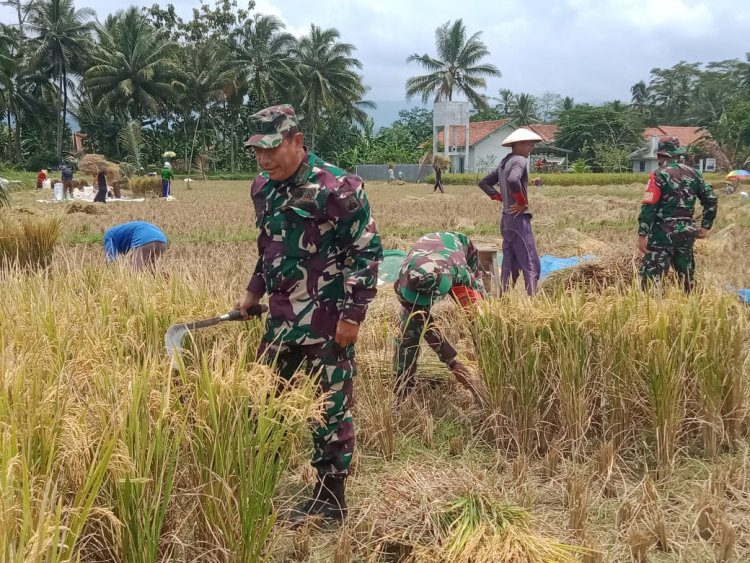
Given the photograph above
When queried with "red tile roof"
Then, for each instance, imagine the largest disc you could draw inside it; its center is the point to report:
(546, 131)
(478, 130)
(686, 135)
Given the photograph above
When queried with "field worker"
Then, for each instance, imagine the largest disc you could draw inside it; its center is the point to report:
(166, 179)
(40, 178)
(319, 251)
(666, 228)
(101, 186)
(66, 175)
(439, 264)
(144, 242)
(438, 169)
(519, 248)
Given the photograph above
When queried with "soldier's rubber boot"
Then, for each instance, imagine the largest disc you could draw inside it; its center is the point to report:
(328, 501)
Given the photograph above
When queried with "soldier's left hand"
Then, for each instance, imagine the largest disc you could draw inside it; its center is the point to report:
(702, 233)
(346, 333)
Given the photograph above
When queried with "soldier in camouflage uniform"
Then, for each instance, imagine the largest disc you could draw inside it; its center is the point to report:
(318, 260)
(439, 264)
(666, 229)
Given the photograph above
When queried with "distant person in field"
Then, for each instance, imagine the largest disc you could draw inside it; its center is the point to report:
(101, 186)
(436, 166)
(66, 175)
(391, 174)
(142, 241)
(166, 179)
(40, 178)
(512, 176)
(666, 228)
(438, 265)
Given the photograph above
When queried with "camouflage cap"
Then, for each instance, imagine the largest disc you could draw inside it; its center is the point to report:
(267, 127)
(427, 282)
(669, 146)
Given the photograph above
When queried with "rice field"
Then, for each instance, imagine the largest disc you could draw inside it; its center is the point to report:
(614, 425)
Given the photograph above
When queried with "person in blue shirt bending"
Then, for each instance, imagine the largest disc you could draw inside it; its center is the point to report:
(143, 241)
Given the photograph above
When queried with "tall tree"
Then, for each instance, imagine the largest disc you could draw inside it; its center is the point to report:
(133, 66)
(328, 78)
(456, 70)
(525, 109)
(506, 102)
(262, 50)
(63, 39)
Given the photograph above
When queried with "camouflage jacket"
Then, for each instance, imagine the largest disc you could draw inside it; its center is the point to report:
(318, 251)
(668, 205)
(442, 253)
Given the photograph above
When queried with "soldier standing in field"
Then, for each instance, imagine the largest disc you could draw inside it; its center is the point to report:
(438, 265)
(318, 255)
(666, 228)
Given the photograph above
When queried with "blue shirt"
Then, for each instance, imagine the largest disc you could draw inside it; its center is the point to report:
(121, 239)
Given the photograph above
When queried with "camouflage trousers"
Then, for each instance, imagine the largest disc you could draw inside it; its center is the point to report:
(660, 257)
(416, 323)
(333, 439)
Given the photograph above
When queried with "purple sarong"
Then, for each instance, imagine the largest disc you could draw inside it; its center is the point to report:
(519, 252)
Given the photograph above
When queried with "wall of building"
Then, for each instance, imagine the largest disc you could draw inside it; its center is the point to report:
(487, 153)
(649, 165)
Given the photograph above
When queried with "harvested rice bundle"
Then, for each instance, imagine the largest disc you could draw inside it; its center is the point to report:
(442, 162)
(618, 268)
(91, 163)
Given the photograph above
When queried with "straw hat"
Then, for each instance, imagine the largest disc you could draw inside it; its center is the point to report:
(519, 135)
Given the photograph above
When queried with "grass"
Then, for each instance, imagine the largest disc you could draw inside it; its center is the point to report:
(616, 425)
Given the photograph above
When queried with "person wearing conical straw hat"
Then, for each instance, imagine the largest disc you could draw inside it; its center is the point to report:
(512, 178)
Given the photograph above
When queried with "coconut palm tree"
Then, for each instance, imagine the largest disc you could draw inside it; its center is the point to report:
(262, 52)
(133, 66)
(209, 80)
(62, 38)
(525, 109)
(23, 90)
(329, 82)
(457, 68)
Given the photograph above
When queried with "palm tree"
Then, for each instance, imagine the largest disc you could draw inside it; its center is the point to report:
(457, 68)
(524, 109)
(62, 40)
(209, 79)
(132, 67)
(262, 50)
(329, 83)
(23, 90)
(639, 97)
(506, 102)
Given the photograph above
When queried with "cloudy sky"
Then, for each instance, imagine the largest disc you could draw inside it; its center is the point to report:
(592, 50)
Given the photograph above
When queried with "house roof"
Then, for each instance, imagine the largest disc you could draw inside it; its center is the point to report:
(478, 130)
(546, 131)
(686, 135)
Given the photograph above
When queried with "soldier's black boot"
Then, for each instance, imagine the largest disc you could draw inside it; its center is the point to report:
(328, 501)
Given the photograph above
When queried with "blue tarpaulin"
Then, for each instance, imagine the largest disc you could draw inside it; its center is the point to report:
(744, 295)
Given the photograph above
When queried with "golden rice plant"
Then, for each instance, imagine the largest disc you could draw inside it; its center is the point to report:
(28, 241)
(145, 185)
(106, 455)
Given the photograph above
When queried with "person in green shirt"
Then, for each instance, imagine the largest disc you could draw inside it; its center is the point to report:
(166, 179)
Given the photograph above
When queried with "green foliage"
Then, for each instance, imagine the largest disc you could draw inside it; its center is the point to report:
(579, 166)
(584, 127)
(132, 143)
(457, 70)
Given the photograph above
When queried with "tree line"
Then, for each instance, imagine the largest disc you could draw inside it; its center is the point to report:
(145, 81)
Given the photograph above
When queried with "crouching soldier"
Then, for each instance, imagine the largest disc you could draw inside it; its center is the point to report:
(439, 264)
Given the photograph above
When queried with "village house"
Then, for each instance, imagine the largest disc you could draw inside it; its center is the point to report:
(704, 153)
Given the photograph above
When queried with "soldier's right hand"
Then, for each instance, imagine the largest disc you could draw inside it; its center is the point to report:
(642, 244)
(702, 233)
(247, 300)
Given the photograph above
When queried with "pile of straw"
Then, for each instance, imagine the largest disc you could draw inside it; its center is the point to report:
(442, 162)
(91, 164)
(438, 514)
(85, 207)
(618, 268)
